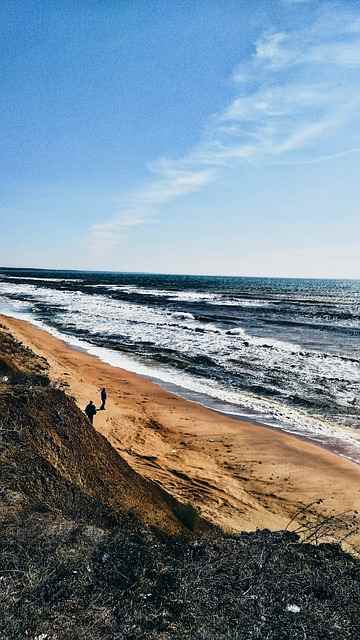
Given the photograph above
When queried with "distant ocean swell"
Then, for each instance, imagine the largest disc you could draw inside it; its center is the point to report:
(280, 351)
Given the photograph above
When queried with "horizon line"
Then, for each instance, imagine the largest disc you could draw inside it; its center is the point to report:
(190, 275)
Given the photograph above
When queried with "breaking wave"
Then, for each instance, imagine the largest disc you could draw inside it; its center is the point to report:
(284, 352)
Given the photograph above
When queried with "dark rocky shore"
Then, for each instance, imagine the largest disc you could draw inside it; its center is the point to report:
(89, 550)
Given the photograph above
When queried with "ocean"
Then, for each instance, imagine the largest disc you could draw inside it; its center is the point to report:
(283, 352)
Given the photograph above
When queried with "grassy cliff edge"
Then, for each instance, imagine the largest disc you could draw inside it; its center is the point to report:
(89, 549)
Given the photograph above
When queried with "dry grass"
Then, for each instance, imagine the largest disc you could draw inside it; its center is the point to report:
(72, 581)
(77, 561)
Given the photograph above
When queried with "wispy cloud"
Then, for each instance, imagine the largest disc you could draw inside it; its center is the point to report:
(324, 158)
(292, 93)
(171, 180)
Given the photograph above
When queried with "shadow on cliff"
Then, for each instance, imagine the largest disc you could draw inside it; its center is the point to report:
(89, 549)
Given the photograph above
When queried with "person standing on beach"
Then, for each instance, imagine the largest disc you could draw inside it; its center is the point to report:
(90, 411)
(103, 396)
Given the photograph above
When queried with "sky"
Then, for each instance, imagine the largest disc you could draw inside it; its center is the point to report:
(193, 136)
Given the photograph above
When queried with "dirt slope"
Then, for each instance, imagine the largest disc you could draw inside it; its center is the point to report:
(78, 561)
(50, 453)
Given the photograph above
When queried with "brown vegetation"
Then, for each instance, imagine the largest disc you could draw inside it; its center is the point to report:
(89, 549)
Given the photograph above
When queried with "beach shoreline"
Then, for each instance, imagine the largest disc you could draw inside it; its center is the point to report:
(340, 439)
(238, 474)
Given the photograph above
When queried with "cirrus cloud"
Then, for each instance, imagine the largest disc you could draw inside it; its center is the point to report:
(291, 95)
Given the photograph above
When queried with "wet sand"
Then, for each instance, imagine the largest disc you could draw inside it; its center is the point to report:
(240, 475)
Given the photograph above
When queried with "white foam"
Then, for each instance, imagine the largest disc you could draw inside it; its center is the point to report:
(42, 279)
(180, 315)
(101, 314)
(179, 296)
(130, 289)
(239, 303)
(238, 331)
(241, 404)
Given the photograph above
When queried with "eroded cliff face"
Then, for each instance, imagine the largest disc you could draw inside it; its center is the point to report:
(51, 455)
(78, 558)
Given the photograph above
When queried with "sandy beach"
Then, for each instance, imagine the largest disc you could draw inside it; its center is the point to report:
(241, 476)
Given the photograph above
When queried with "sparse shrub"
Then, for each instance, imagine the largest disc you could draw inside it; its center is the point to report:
(73, 568)
(188, 515)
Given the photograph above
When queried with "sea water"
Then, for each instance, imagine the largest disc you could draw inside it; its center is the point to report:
(285, 352)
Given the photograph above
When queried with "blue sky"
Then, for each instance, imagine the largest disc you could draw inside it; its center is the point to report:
(184, 137)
